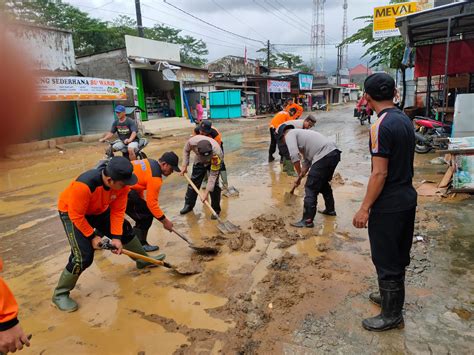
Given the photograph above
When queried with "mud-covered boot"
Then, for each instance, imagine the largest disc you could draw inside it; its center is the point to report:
(375, 298)
(308, 218)
(141, 235)
(393, 297)
(289, 168)
(328, 213)
(135, 246)
(186, 209)
(225, 182)
(61, 300)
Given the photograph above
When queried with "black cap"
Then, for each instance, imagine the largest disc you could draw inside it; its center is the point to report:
(120, 169)
(204, 148)
(206, 127)
(172, 159)
(281, 130)
(380, 86)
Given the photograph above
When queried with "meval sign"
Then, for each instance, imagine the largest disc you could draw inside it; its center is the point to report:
(385, 16)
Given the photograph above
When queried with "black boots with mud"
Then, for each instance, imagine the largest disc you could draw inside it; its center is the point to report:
(61, 300)
(392, 299)
(303, 223)
(375, 298)
(328, 213)
(186, 209)
(141, 235)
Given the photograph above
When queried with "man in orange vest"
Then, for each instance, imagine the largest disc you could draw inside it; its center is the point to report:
(277, 120)
(291, 104)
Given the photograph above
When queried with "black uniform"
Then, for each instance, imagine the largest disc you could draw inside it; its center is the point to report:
(392, 216)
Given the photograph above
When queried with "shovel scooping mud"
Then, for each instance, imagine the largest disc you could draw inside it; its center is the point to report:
(290, 197)
(229, 191)
(224, 226)
(185, 269)
(199, 249)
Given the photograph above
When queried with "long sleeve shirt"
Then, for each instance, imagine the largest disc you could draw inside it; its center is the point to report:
(279, 118)
(87, 195)
(312, 145)
(297, 124)
(215, 159)
(150, 179)
(8, 305)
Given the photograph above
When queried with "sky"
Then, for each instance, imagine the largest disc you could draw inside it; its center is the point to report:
(280, 21)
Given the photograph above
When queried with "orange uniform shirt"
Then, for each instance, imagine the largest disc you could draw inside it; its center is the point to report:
(87, 195)
(8, 305)
(279, 118)
(149, 177)
(299, 110)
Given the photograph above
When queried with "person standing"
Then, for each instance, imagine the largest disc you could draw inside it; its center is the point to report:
(199, 112)
(320, 158)
(389, 206)
(143, 209)
(277, 120)
(92, 205)
(127, 132)
(290, 103)
(209, 158)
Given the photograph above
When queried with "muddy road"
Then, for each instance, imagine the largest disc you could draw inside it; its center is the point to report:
(271, 289)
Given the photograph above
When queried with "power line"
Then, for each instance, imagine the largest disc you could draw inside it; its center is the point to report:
(281, 12)
(289, 10)
(212, 25)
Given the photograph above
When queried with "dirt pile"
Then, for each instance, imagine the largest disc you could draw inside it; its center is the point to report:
(216, 241)
(337, 180)
(274, 227)
(242, 241)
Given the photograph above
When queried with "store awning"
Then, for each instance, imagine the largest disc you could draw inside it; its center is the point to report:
(431, 26)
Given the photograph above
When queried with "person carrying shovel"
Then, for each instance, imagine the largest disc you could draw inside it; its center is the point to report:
(143, 209)
(92, 204)
(209, 158)
(277, 120)
(320, 158)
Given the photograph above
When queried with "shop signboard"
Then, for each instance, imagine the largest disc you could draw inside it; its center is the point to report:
(385, 17)
(278, 86)
(305, 81)
(75, 88)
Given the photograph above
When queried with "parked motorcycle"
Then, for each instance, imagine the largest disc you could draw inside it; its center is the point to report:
(319, 107)
(429, 134)
(142, 143)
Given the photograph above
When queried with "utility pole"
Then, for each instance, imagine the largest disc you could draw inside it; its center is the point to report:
(344, 52)
(339, 64)
(138, 10)
(268, 56)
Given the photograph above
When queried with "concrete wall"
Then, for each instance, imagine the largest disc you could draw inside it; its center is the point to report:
(96, 116)
(109, 65)
(52, 49)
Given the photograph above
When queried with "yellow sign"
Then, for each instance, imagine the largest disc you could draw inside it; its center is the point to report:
(385, 16)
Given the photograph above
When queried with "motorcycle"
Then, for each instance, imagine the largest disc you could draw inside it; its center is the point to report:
(429, 134)
(319, 107)
(110, 151)
(362, 115)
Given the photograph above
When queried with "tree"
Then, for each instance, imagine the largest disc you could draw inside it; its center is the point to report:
(91, 35)
(264, 59)
(291, 61)
(381, 52)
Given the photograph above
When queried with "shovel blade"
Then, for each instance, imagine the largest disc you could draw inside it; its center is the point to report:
(290, 198)
(231, 192)
(204, 250)
(228, 227)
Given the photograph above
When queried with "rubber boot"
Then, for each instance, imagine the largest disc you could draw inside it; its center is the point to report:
(393, 297)
(61, 300)
(225, 182)
(135, 246)
(289, 168)
(186, 209)
(141, 235)
(375, 298)
(307, 220)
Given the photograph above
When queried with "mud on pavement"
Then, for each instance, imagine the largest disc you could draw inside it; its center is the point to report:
(272, 288)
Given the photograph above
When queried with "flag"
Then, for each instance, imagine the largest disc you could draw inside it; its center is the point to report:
(245, 55)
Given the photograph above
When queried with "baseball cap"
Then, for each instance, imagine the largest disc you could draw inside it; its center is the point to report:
(311, 118)
(206, 127)
(380, 86)
(172, 159)
(204, 148)
(120, 169)
(282, 129)
(119, 108)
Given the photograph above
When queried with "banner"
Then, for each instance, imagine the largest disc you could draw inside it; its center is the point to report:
(76, 88)
(278, 86)
(305, 81)
(385, 17)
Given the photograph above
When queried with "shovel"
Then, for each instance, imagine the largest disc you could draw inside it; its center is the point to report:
(230, 191)
(290, 197)
(107, 245)
(223, 226)
(204, 250)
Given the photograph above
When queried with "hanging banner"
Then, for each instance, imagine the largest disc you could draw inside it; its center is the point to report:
(75, 88)
(305, 81)
(278, 86)
(385, 17)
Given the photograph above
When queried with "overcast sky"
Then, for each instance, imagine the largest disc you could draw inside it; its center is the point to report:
(280, 21)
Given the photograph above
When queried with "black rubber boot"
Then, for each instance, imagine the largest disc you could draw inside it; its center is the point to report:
(303, 224)
(186, 209)
(375, 298)
(393, 297)
(141, 235)
(328, 213)
(271, 158)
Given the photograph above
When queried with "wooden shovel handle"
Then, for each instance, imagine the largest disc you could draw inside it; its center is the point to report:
(205, 202)
(182, 236)
(144, 258)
